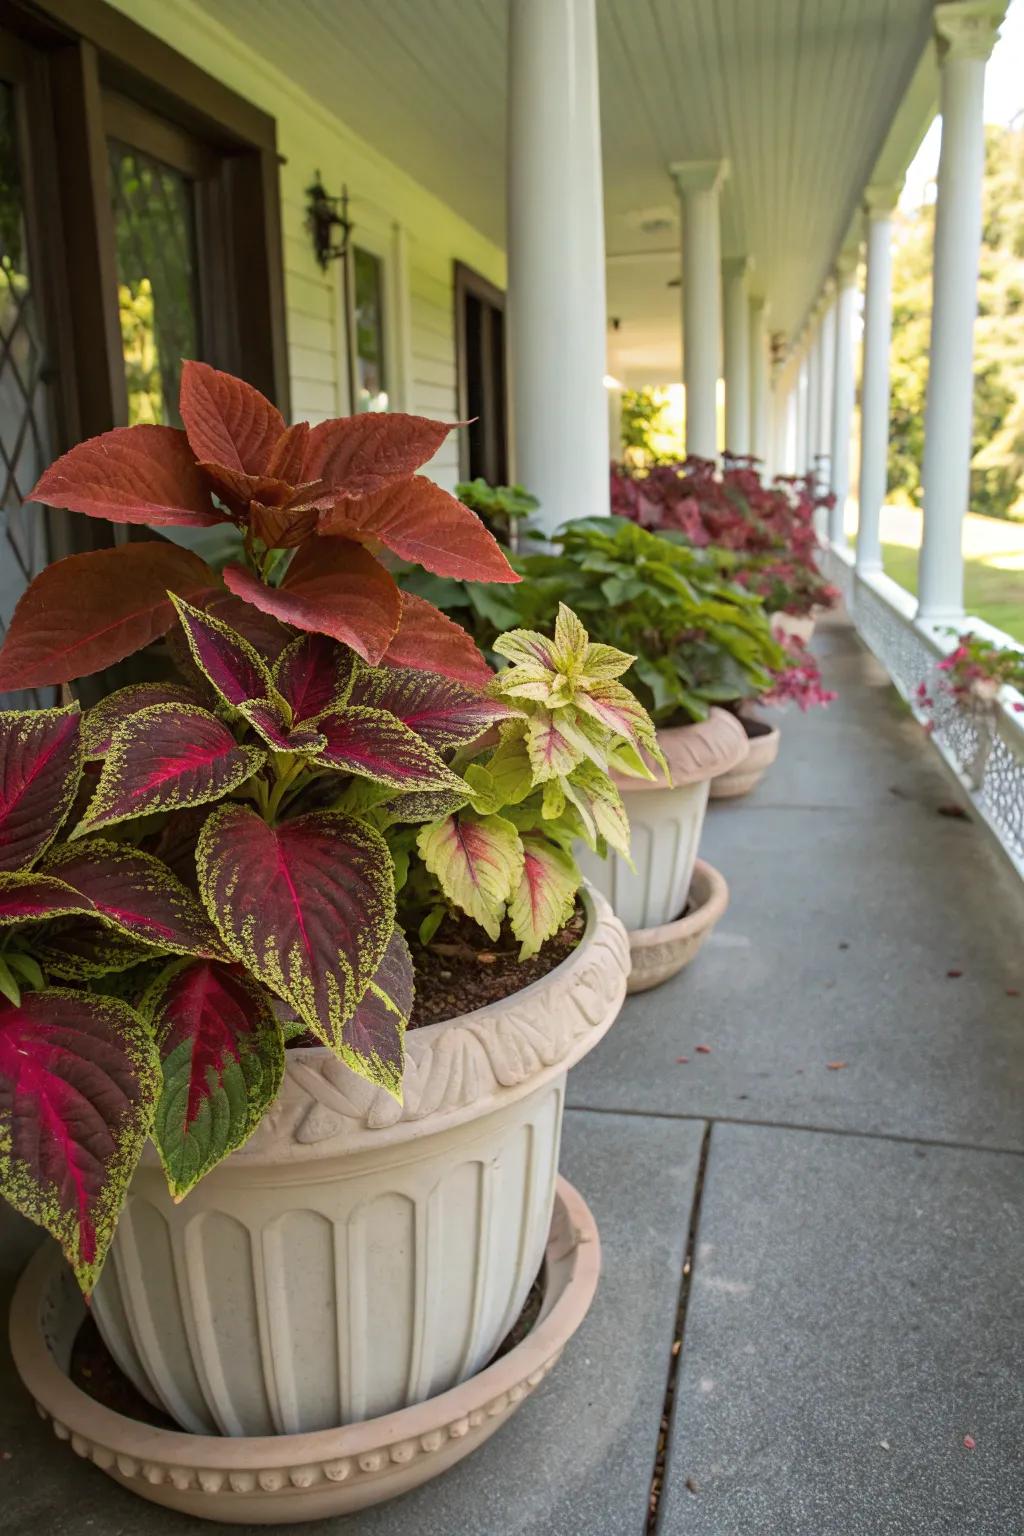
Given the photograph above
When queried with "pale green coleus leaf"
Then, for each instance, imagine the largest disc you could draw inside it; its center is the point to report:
(553, 746)
(545, 895)
(571, 641)
(600, 807)
(509, 765)
(477, 861)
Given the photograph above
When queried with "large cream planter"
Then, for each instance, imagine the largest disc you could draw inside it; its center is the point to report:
(666, 823)
(358, 1256)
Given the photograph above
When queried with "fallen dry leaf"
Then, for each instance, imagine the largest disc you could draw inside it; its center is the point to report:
(681, 1060)
(954, 974)
(836, 1066)
(1013, 991)
(705, 1050)
(950, 808)
(969, 1442)
(691, 1483)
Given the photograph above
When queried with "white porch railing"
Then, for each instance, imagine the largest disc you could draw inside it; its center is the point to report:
(984, 746)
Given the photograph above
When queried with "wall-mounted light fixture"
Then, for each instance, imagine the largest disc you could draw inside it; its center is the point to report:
(328, 222)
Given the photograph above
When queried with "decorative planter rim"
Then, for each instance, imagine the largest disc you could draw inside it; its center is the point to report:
(455, 1070)
(355, 1465)
(695, 752)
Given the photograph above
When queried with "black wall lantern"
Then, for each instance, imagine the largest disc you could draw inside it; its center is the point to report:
(326, 215)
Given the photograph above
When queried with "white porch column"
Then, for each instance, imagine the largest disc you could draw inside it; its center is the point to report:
(813, 394)
(879, 203)
(736, 319)
(759, 377)
(844, 392)
(801, 440)
(826, 379)
(966, 31)
(699, 183)
(556, 263)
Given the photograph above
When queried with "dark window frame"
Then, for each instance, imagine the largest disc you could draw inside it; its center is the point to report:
(469, 286)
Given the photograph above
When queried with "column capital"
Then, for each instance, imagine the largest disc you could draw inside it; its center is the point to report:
(699, 175)
(881, 197)
(737, 266)
(847, 263)
(967, 29)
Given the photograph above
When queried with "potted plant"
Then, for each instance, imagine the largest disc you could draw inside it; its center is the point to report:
(224, 893)
(702, 646)
(969, 682)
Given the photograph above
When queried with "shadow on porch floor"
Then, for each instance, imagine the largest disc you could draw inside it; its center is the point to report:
(851, 1309)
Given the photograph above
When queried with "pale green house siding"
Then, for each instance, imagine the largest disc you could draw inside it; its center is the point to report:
(419, 235)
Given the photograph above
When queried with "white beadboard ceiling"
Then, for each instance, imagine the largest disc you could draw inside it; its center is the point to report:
(798, 95)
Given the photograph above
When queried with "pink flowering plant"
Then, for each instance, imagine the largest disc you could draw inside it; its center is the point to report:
(206, 865)
(974, 673)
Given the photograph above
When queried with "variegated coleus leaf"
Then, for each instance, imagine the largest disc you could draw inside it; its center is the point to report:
(307, 906)
(599, 806)
(443, 711)
(135, 893)
(374, 743)
(545, 896)
(313, 674)
(226, 659)
(86, 948)
(372, 1040)
(101, 721)
(477, 861)
(164, 758)
(78, 1084)
(612, 705)
(40, 766)
(28, 896)
(222, 1059)
(270, 719)
(553, 744)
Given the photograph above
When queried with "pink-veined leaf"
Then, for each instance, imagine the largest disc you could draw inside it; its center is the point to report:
(29, 896)
(314, 673)
(40, 766)
(373, 743)
(333, 587)
(101, 721)
(422, 523)
(164, 758)
(358, 455)
(84, 948)
(142, 474)
(228, 422)
(554, 748)
(269, 718)
(600, 807)
(224, 657)
(78, 1085)
(307, 906)
(85, 612)
(137, 894)
(430, 641)
(478, 862)
(222, 1061)
(545, 896)
(372, 1040)
(264, 633)
(443, 711)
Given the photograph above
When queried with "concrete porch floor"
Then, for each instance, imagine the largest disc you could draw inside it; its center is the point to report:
(841, 1249)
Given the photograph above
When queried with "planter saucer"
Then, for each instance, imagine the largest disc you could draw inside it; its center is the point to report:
(764, 749)
(277, 1479)
(659, 953)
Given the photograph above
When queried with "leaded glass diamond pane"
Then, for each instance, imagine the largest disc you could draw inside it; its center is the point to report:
(24, 417)
(158, 292)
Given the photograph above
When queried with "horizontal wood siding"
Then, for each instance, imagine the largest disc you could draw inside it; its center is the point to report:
(382, 196)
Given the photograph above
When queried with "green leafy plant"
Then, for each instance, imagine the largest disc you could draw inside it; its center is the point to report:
(205, 866)
(499, 507)
(699, 638)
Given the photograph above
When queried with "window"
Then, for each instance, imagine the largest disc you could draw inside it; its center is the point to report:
(367, 354)
(480, 357)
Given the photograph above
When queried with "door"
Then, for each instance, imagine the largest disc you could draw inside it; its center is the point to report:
(480, 354)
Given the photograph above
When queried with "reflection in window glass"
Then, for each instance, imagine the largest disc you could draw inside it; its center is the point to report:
(154, 224)
(368, 329)
(24, 415)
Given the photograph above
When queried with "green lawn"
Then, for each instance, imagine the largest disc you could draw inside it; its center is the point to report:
(995, 595)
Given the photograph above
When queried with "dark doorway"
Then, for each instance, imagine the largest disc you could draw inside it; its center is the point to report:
(480, 353)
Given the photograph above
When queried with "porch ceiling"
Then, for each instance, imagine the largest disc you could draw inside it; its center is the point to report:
(798, 95)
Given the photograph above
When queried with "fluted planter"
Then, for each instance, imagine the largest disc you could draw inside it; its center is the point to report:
(764, 749)
(792, 626)
(358, 1256)
(666, 823)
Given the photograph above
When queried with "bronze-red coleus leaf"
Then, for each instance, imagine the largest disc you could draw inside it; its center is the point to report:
(429, 640)
(308, 906)
(444, 712)
(359, 455)
(40, 766)
(422, 523)
(228, 422)
(222, 1058)
(333, 587)
(86, 612)
(78, 1085)
(141, 474)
